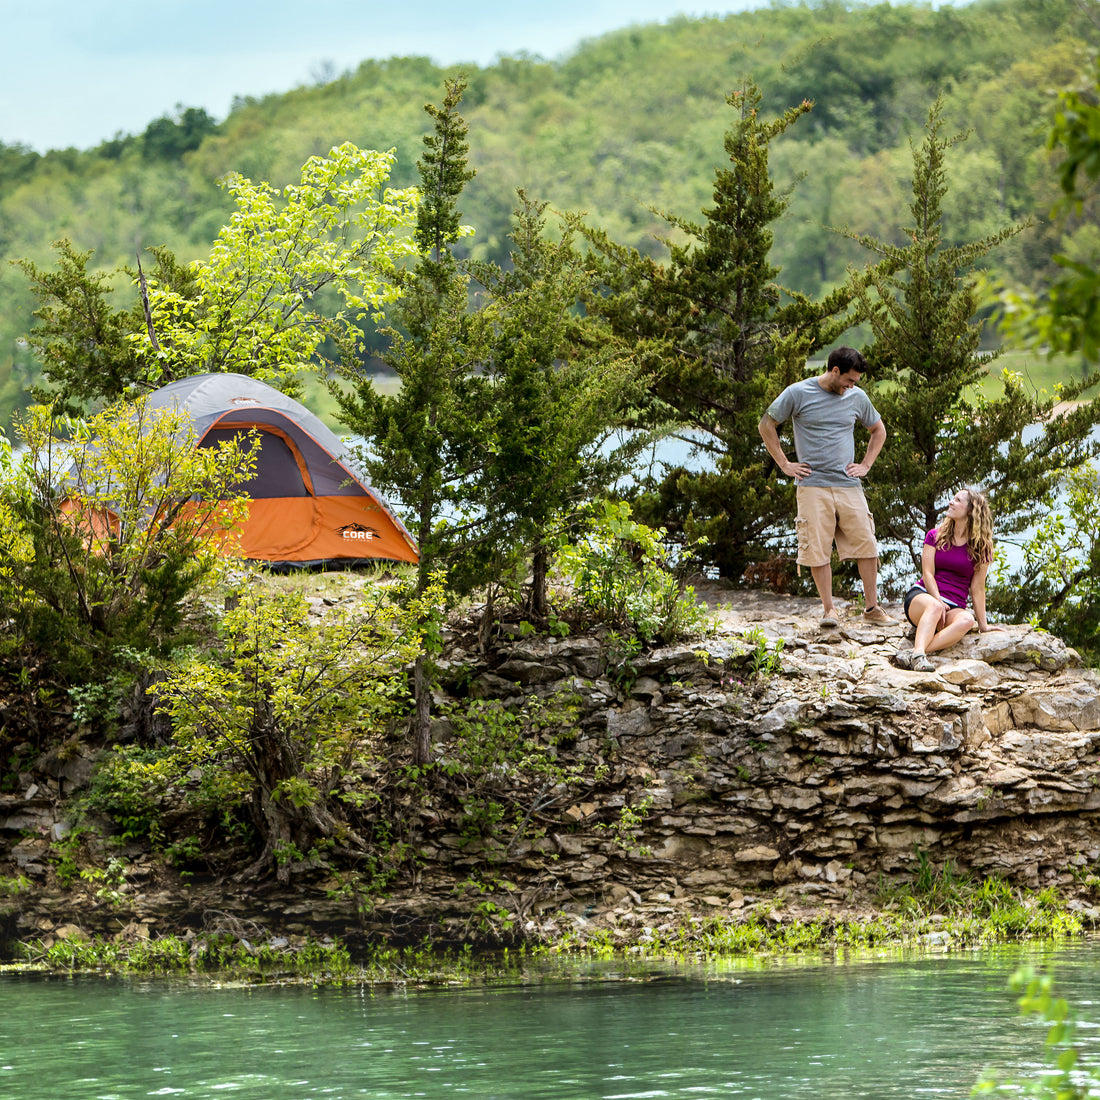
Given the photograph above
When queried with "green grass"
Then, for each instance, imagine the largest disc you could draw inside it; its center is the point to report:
(316, 398)
(939, 909)
(1018, 919)
(1040, 374)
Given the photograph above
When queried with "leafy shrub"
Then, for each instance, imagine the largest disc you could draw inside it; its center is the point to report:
(505, 763)
(112, 527)
(621, 573)
(284, 704)
(1058, 585)
(128, 787)
(1069, 1079)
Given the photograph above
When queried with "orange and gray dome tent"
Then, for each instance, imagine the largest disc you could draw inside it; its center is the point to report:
(310, 503)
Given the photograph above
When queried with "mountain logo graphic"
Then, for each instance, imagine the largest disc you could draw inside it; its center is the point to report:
(358, 531)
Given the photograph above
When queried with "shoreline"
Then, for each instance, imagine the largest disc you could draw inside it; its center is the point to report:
(692, 941)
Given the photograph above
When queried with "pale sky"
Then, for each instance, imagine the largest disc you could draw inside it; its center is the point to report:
(76, 72)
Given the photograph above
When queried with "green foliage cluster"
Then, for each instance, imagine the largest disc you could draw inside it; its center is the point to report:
(12, 885)
(106, 550)
(560, 388)
(1058, 582)
(248, 954)
(720, 338)
(288, 281)
(924, 314)
(760, 932)
(129, 788)
(1064, 316)
(168, 137)
(504, 761)
(989, 908)
(618, 572)
(285, 706)
(222, 952)
(765, 658)
(1069, 1078)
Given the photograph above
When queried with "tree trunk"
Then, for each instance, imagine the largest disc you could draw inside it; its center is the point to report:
(422, 728)
(488, 615)
(539, 569)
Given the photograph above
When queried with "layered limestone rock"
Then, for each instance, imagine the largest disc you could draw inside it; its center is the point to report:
(782, 753)
(772, 758)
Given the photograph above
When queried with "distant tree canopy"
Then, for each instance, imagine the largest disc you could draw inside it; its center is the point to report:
(16, 163)
(630, 122)
(168, 138)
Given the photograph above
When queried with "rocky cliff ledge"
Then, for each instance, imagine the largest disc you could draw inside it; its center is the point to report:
(802, 775)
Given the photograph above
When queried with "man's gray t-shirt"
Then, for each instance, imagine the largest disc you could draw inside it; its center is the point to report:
(824, 425)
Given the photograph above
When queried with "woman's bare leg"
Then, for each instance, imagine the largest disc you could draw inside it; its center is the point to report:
(924, 614)
(959, 623)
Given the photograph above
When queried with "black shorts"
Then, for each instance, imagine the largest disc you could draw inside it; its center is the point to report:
(920, 590)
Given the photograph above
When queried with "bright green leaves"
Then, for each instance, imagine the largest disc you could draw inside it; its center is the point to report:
(1076, 131)
(1071, 1081)
(1066, 318)
(1061, 561)
(619, 573)
(289, 271)
(288, 702)
(16, 547)
(141, 468)
(114, 526)
(284, 288)
(321, 682)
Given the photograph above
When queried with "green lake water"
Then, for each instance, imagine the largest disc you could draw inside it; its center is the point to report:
(871, 1029)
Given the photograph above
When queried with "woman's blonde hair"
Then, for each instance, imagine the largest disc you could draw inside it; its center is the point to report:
(979, 528)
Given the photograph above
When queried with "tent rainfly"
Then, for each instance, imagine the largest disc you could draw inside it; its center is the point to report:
(310, 504)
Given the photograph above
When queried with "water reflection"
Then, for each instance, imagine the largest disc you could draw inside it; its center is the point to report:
(871, 1030)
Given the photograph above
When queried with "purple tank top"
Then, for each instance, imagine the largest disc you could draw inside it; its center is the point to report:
(954, 571)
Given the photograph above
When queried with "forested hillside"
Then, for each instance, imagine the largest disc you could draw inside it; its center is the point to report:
(631, 120)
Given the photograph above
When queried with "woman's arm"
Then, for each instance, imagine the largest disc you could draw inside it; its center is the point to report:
(928, 575)
(977, 594)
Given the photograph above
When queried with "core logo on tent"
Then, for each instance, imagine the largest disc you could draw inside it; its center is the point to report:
(358, 531)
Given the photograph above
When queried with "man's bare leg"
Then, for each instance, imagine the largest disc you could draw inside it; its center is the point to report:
(823, 581)
(868, 573)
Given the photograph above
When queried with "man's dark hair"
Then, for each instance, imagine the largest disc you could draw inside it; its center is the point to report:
(846, 359)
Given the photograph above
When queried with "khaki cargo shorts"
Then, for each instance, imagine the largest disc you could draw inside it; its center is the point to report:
(826, 514)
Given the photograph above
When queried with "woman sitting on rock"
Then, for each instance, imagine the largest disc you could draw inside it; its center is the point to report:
(954, 563)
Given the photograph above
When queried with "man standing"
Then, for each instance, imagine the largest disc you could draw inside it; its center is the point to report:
(831, 504)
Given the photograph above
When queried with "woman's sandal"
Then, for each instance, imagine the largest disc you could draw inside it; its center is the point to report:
(904, 658)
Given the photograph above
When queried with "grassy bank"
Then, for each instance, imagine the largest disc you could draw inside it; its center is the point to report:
(984, 915)
(1041, 375)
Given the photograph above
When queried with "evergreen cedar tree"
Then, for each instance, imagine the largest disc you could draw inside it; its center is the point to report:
(927, 330)
(424, 439)
(720, 338)
(496, 434)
